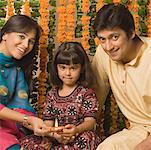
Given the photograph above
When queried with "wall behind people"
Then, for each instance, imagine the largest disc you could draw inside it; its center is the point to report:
(67, 20)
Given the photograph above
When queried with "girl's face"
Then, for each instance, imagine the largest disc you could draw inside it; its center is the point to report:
(18, 45)
(69, 74)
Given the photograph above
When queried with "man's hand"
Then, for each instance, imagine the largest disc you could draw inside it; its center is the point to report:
(145, 144)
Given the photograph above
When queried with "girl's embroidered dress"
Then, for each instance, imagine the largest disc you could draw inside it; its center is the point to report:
(71, 109)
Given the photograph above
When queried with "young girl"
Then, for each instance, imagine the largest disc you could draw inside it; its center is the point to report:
(70, 103)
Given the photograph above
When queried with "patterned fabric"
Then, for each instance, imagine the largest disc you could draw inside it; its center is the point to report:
(79, 104)
(14, 95)
(70, 109)
(13, 87)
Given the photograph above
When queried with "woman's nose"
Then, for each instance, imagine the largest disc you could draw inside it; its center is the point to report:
(25, 43)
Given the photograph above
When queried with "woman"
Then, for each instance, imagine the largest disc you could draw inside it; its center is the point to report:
(18, 39)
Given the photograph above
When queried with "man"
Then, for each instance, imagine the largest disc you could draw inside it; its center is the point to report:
(123, 62)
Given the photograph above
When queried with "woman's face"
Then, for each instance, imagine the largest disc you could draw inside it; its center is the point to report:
(18, 45)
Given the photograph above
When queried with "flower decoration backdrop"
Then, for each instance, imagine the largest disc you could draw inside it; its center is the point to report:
(70, 20)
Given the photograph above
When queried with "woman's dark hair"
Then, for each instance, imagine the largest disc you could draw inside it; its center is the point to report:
(23, 24)
(72, 53)
(114, 16)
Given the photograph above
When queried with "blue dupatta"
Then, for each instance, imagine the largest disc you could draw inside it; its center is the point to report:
(13, 87)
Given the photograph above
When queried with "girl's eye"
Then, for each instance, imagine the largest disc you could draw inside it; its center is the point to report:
(74, 68)
(62, 67)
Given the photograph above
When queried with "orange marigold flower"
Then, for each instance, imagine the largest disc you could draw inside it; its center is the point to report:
(61, 9)
(71, 1)
(62, 2)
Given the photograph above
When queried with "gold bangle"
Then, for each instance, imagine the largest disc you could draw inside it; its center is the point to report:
(25, 120)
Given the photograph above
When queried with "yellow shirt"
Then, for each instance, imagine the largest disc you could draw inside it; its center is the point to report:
(130, 83)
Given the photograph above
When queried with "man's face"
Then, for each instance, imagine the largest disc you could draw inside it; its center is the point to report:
(116, 44)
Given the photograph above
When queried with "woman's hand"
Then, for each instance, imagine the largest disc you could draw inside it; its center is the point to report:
(38, 126)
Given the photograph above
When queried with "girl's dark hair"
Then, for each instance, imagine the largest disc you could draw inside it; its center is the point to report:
(23, 24)
(72, 53)
(114, 16)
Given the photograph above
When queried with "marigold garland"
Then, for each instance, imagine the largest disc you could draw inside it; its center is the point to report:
(149, 19)
(70, 20)
(99, 4)
(34, 9)
(42, 78)
(114, 113)
(10, 9)
(26, 8)
(61, 27)
(116, 1)
(100, 125)
(85, 19)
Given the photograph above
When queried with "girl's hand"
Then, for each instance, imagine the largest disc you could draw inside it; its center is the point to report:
(61, 139)
(58, 137)
(70, 131)
(69, 139)
(45, 143)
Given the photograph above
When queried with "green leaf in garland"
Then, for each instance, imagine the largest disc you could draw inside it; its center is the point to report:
(2, 22)
(2, 13)
(142, 2)
(34, 3)
(108, 1)
(143, 27)
(142, 11)
(18, 4)
(35, 14)
(78, 33)
(53, 3)
(3, 3)
(124, 2)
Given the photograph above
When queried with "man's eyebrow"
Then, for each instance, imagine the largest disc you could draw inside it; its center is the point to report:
(101, 37)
